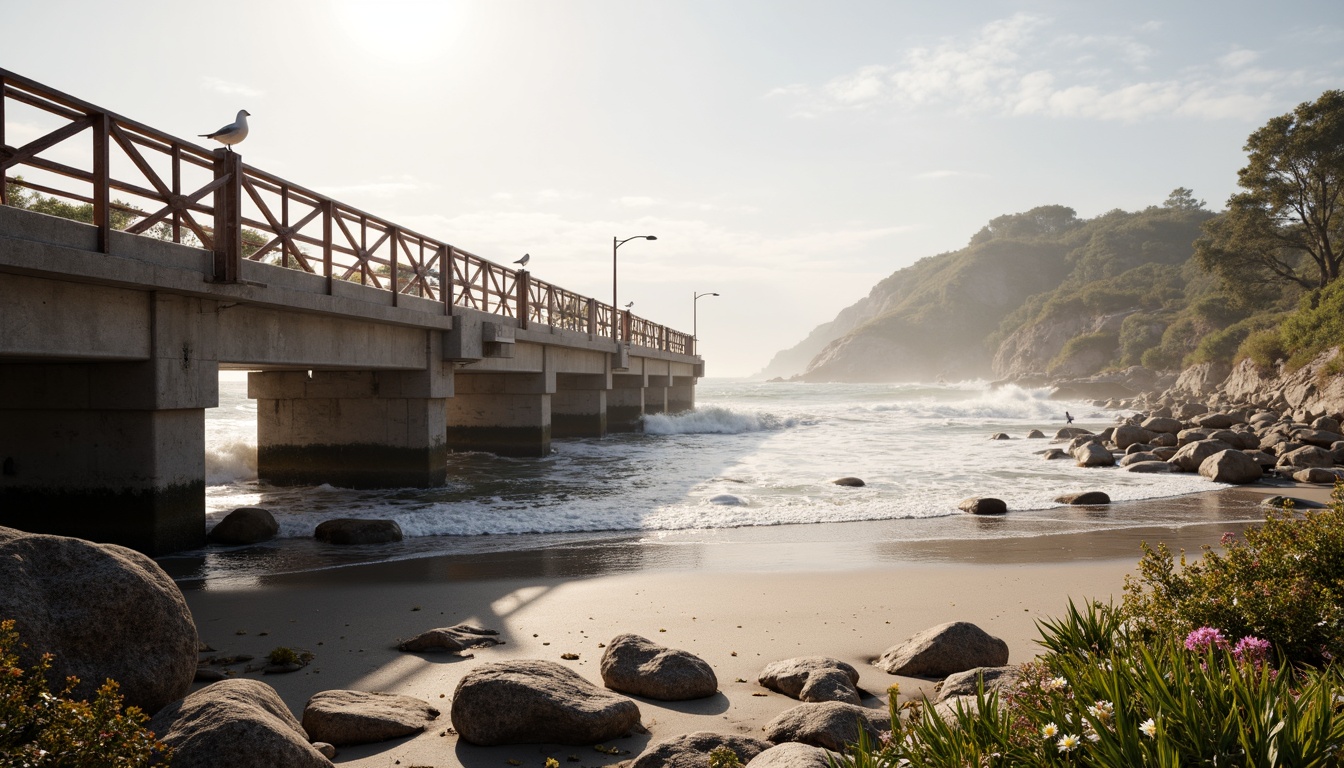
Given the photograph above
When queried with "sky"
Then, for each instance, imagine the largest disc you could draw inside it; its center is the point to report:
(787, 155)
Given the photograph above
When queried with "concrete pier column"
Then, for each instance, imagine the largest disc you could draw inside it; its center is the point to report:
(508, 414)
(354, 429)
(625, 403)
(579, 405)
(115, 451)
(681, 394)
(655, 394)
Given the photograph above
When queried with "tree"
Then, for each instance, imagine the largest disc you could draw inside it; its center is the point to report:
(1288, 224)
(1183, 199)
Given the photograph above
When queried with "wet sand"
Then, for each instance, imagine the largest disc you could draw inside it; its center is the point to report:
(738, 599)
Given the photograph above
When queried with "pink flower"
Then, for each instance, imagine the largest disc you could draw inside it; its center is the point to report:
(1204, 638)
(1251, 648)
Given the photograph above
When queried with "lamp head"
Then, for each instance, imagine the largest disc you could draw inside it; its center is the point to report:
(713, 294)
(650, 237)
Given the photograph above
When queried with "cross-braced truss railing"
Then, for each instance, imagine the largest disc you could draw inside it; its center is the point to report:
(136, 179)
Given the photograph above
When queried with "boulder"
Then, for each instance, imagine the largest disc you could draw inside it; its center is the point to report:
(947, 709)
(943, 650)
(1316, 475)
(793, 754)
(1000, 436)
(812, 678)
(1231, 466)
(351, 530)
(1094, 455)
(1161, 424)
(1035, 434)
(1164, 453)
(1135, 458)
(692, 750)
(1286, 447)
(1192, 455)
(342, 718)
(1126, 435)
(454, 639)
(830, 724)
(849, 482)
(1138, 448)
(1317, 437)
(245, 525)
(1086, 498)
(1051, 454)
(1187, 411)
(1306, 457)
(237, 723)
(1151, 467)
(1164, 440)
(1263, 459)
(1326, 424)
(1188, 436)
(968, 683)
(983, 506)
(635, 665)
(102, 611)
(1081, 440)
(534, 701)
(1279, 502)
(1068, 433)
(1213, 420)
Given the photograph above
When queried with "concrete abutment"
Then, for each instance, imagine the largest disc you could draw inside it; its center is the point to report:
(507, 414)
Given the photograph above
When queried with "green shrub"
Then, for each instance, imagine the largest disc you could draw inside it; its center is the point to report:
(39, 729)
(1284, 582)
(1317, 325)
(1263, 348)
(1102, 697)
(1223, 345)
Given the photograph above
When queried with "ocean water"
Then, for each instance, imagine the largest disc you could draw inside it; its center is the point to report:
(753, 461)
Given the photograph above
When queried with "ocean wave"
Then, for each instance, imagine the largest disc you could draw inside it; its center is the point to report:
(233, 461)
(1009, 402)
(715, 421)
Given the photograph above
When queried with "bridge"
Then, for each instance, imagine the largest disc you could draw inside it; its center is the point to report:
(372, 350)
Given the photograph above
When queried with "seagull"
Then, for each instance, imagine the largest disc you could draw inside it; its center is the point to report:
(631, 304)
(232, 133)
(523, 261)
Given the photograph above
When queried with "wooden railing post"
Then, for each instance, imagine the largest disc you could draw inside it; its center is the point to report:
(592, 316)
(522, 285)
(102, 180)
(228, 217)
(394, 239)
(328, 212)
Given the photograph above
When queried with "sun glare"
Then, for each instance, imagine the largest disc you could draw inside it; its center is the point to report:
(402, 31)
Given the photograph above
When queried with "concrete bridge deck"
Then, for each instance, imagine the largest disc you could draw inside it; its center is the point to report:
(108, 360)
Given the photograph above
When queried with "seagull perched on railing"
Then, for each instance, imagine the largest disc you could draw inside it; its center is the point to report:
(631, 304)
(523, 261)
(232, 133)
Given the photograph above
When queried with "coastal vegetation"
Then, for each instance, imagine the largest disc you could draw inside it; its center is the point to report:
(1044, 292)
(1228, 660)
(42, 729)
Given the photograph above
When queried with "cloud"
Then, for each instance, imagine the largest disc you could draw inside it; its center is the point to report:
(636, 201)
(230, 88)
(1018, 67)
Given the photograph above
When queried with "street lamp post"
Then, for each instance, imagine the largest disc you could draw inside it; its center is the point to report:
(615, 324)
(695, 321)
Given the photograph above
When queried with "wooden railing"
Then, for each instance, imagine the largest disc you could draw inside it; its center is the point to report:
(146, 182)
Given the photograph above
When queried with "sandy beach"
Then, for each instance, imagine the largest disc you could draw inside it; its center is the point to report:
(739, 609)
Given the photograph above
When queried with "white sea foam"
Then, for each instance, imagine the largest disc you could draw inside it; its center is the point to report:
(752, 454)
(233, 461)
(714, 420)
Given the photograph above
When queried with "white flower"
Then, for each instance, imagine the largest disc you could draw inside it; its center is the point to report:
(1056, 684)
(1102, 711)
(1093, 736)
(1049, 731)
(1148, 728)
(1067, 743)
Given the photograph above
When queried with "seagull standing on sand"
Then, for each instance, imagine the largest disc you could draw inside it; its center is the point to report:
(232, 133)
(523, 261)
